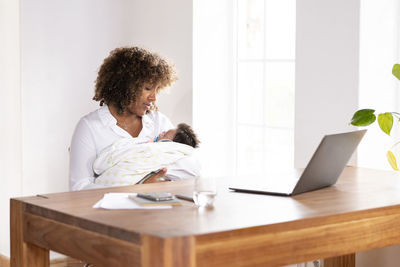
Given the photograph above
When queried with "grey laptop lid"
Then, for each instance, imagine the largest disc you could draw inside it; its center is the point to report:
(323, 169)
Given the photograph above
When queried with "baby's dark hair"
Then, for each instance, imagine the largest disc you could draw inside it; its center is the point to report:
(185, 135)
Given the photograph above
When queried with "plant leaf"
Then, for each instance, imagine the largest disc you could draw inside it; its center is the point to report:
(385, 121)
(396, 71)
(363, 117)
(392, 160)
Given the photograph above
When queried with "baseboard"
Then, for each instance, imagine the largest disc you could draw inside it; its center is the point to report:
(4, 261)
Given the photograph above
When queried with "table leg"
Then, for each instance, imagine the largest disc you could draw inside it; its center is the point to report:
(341, 261)
(23, 254)
(171, 252)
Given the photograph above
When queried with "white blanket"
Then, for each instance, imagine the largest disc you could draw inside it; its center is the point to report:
(128, 160)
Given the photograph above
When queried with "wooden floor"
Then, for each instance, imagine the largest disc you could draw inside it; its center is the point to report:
(4, 261)
(63, 262)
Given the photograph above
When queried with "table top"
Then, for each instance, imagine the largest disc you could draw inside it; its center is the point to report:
(359, 192)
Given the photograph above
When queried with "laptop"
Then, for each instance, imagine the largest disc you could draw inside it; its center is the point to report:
(323, 169)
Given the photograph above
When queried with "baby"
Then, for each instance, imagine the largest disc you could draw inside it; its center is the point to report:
(183, 134)
(128, 160)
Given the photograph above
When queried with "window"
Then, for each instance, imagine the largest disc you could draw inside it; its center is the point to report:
(265, 71)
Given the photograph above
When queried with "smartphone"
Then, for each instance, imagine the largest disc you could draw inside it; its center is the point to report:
(156, 196)
(151, 174)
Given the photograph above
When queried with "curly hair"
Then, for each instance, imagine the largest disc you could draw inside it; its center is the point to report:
(185, 135)
(126, 71)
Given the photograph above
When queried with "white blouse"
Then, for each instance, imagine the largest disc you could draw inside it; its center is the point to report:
(96, 131)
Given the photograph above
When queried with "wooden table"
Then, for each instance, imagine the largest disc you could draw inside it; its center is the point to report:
(360, 212)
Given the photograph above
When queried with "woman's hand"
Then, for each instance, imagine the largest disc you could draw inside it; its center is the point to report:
(157, 177)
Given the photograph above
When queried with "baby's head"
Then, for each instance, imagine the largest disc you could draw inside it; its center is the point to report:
(183, 134)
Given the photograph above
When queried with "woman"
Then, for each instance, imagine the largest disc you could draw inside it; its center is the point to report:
(126, 87)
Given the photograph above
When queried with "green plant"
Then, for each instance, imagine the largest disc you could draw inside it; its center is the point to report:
(365, 117)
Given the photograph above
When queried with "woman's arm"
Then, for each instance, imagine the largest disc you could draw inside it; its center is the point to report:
(82, 155)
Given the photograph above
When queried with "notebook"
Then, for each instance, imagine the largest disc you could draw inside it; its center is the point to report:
(323, 169)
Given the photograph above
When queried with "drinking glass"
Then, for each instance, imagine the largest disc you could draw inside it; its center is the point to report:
(204, 192)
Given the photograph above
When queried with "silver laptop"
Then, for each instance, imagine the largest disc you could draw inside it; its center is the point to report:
(324, 168)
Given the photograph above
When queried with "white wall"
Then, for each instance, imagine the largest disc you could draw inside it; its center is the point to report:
(327, 58)
(10, 110)
(62, 45)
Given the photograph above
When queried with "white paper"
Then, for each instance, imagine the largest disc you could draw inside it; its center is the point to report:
(117, 201)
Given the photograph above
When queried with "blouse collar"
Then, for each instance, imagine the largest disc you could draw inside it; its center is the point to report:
(108, 120)
(105, 116)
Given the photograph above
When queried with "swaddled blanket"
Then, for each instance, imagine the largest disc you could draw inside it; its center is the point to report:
(128, 160)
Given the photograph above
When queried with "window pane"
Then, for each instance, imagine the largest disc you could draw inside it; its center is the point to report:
(251, 28)
(250, 92)
(280, 29)
(250, 150)
(279, 149)
(279, 94)
(265, 87)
